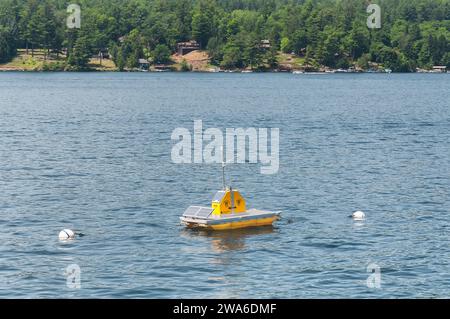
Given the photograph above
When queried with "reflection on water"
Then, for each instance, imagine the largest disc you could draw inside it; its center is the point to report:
(228, 240)
(227, 251)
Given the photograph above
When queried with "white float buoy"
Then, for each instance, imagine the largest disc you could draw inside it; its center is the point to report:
(358, 215)
(66, 234)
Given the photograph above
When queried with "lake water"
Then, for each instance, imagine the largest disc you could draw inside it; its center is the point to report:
(92, 152)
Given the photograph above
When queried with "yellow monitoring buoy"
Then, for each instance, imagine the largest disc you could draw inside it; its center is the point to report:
(228, 211)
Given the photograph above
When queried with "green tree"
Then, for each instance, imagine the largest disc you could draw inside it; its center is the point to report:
(392, 59)
(363, 61)
(9, 19)
(24, 25)
(7, 49)
(215, 50)
(252, 53)
(81, 53)
(185, 66)
(36, 29)
(329, 52)
(271, 57)
(232, 57)
(128, 52)
(357, 42)
(203, 22)
(299, 41)
(48, 27)
(285, 45)
(161, 54)
(446, 60)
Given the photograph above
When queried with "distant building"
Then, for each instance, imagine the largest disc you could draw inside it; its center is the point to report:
(265, 44)
(186, 47)
(143, 64)
(440, 68)
(103, 54)
(161, 68)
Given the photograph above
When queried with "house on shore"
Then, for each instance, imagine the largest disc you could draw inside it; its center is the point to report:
(439, 69)
(143, 64)
(102, 53)
(186, 47)
(265, 45)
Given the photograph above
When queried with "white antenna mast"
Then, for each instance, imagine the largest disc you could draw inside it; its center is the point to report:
(223, 169)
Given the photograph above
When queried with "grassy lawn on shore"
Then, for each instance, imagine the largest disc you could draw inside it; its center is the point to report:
(39, 62)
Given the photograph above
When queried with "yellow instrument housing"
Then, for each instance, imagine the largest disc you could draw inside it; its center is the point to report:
(227, 202)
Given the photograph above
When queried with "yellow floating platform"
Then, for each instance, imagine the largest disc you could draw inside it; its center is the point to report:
(227, 211)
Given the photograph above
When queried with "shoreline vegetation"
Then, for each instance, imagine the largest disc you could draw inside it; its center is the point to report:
(298, 36)
(200, 63)
(197, 61)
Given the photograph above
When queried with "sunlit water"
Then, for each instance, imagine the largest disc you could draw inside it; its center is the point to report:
(91, 152)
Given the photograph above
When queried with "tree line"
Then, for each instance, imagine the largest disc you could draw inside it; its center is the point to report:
(333, 33)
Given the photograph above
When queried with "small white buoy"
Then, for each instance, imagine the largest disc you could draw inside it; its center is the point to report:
(358, 215)
(66, 234)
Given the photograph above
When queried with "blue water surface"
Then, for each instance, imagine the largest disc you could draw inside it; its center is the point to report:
(92, 152)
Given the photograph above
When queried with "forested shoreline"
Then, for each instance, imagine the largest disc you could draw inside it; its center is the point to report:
(329, 33)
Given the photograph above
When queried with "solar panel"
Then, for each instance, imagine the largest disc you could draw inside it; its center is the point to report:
(218, 197)
(204, 212)
(191, 211)
(198, 212)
